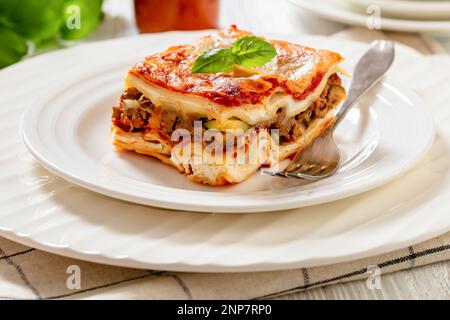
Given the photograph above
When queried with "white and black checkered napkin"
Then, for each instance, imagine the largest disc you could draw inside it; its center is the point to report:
(27, 273)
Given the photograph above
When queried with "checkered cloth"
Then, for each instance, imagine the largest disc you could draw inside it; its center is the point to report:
(26, 273)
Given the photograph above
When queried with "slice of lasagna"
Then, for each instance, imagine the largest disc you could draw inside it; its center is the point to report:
(293, 95)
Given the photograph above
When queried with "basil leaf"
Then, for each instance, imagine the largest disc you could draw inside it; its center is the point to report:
(214, 61)
(36, 20)
(81, 17)
(253, 51)
(13, 47)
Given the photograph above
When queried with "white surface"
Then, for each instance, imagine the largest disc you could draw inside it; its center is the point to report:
(327, 9)
(67, 130)
(421, 10)
(42, 211)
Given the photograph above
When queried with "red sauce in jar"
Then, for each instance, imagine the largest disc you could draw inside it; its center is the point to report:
(165, 15)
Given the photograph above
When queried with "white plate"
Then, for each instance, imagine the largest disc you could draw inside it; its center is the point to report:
(67, 131)
(40, 210)
(329, 10)
(421, 10)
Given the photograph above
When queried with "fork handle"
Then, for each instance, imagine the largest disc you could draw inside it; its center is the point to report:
(369, 70)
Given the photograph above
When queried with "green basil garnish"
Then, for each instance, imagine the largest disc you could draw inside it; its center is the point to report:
(213, 60)
(247, 51)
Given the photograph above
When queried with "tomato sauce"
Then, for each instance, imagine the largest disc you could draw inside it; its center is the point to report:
(165, 15)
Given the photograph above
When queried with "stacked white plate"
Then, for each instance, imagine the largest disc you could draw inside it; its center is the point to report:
(398, 15)
(66, 128)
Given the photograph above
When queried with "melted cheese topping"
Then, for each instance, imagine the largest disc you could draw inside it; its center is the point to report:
(296, 70)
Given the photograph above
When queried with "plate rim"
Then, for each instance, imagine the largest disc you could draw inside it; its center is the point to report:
(402, 4)
(127, 262)
(353, 18)
(26, 126)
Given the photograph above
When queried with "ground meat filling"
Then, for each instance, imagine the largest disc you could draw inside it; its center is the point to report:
(292, 128)
(135, 112)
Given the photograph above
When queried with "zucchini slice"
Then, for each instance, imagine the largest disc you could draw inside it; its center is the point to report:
(231, 124)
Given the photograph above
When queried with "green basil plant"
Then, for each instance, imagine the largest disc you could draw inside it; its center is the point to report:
(25, 23)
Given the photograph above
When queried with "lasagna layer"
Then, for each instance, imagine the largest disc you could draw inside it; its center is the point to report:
(212, 173)
(137, 113)
(251, 114)
(296, 71)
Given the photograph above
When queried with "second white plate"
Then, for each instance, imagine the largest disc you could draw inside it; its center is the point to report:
(328, 9)
(67, 131)
(40, 210)
(420, 10)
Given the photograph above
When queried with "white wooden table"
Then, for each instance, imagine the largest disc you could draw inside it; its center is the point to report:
(278, 16)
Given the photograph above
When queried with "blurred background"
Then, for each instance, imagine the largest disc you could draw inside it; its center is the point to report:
(30, 27)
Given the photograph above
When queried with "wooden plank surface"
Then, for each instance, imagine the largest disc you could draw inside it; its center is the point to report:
(428, 282)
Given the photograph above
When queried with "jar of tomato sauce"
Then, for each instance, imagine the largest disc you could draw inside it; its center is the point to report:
(165, 15)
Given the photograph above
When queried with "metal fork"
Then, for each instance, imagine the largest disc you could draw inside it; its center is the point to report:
(321, 158)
